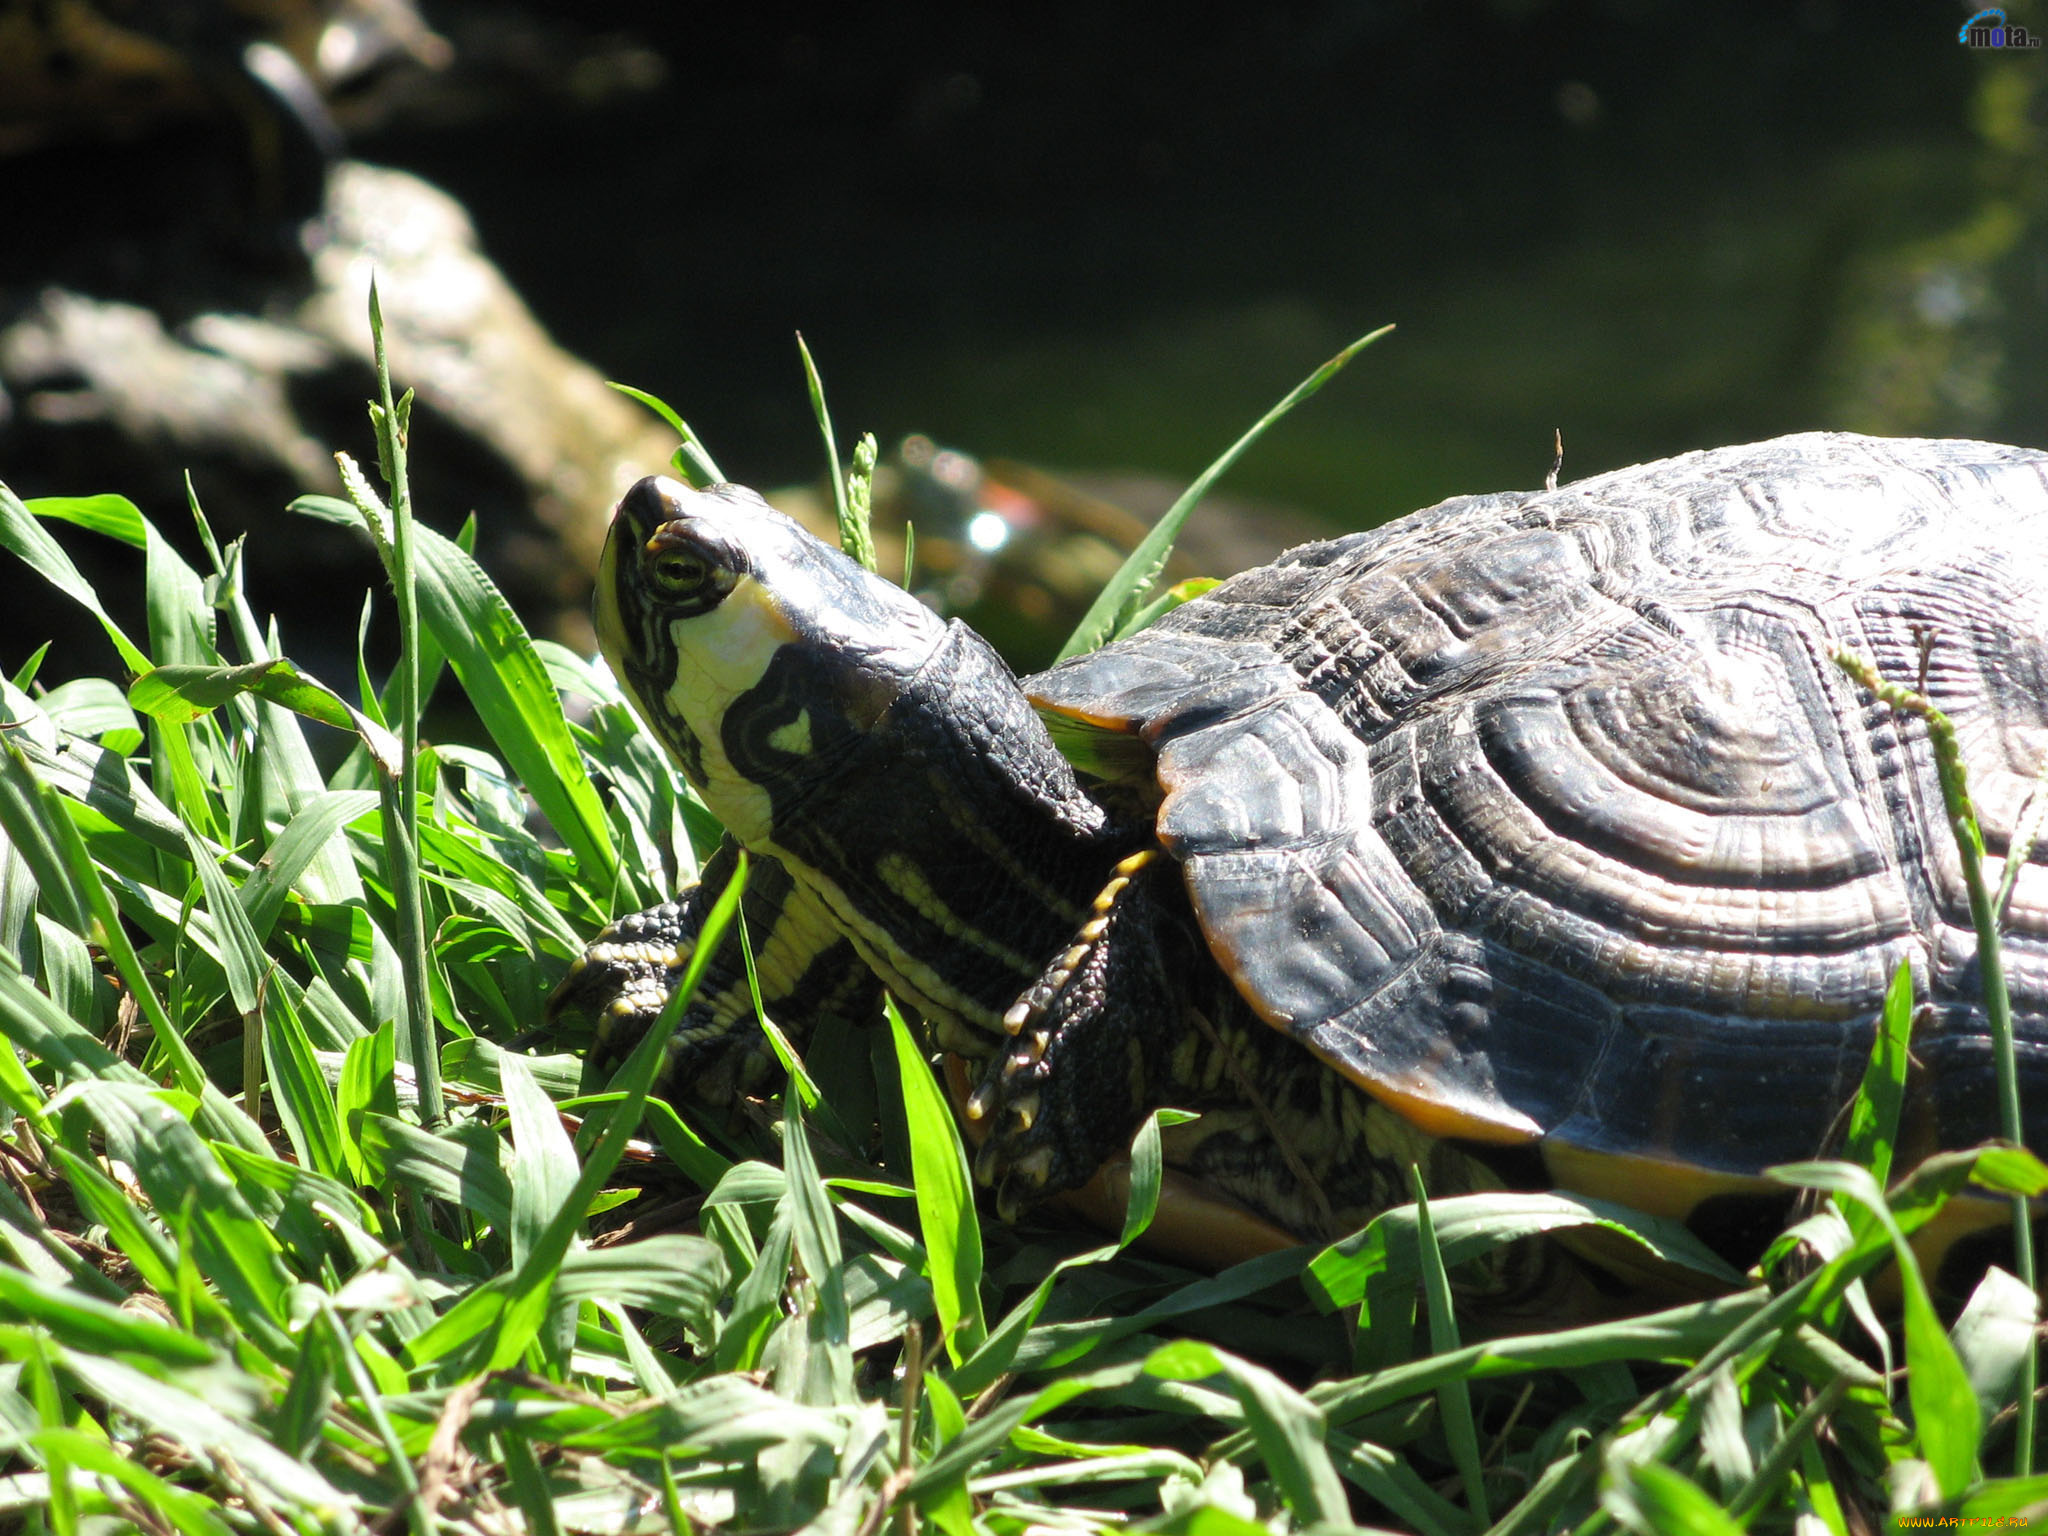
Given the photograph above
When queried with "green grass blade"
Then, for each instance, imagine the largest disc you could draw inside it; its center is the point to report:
(1717, 1416)
(79, 1321)
(988, 1433)
(298, 851)
(1787, 1451)
(116, 517)
(1383, 1259)
(43, 1032)
(756, 1301)
(1126, 590)
(945, 1197)
(1015, 1345)
(506, 680)
(184, 1181)
(1148, 1168)
(1874, 1114)
(1173, 597)
(686, 1149)
(93, 707)
(241, 953)
(1681, 1333)
(814, 1232)
(128, 1226)
(543, 1176)
(446, 1167)
(1657, 1500)
(27, 540)
(2007, 1500)
(174, 766)
(1945, 1413)
(391, 420)
(543, 1170)
(106, 783)
(304, 1102)
(1287, 1427)
(179, 693)
(29, 819)
(217, 1439)
(2020, 850)
(693, 459)
(219, 1116)
(68, 972)
(1454, 1397)
(673, 1274)
(853, 538)
(173, 1507)
(25, 675)
(1992, 1337)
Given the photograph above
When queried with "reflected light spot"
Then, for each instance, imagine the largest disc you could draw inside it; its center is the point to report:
(987, 531)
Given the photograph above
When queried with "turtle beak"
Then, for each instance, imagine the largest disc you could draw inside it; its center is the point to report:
(650, 503)
(646, 506)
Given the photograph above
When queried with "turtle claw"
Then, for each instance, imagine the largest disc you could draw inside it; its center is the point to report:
(1021, 1149)
(1067, 1087)
(1024, 1183)
(1029, 1152)
(980, 1102)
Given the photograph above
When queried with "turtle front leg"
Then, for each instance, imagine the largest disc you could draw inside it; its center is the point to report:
(806, 969)
(1089, 1040)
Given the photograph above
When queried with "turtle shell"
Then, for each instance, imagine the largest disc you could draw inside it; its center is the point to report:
(1550, 816)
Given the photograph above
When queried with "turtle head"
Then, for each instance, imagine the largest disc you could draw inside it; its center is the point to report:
(756, 653)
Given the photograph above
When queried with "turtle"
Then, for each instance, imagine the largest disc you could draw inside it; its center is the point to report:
(1535, 839)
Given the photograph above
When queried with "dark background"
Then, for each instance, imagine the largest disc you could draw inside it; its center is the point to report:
(1101, 237)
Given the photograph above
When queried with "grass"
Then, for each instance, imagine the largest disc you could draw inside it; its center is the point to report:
(307, 1226)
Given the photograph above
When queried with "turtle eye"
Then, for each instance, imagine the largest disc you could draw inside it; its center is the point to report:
(680, 572)
(688, 566)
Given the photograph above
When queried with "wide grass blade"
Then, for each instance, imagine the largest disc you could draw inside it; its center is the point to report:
(1659, 1501)
(116, 517)
(186, 693)
(1874, 1113)
(1384, 1258)
(305, 1104)
(543, 1169)
(241, 952)
(945, 1197)
(25, 538)
(188, 1188)
(1992, 1337)
(460, 1168)
(79, 1321)
(227, 1443)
